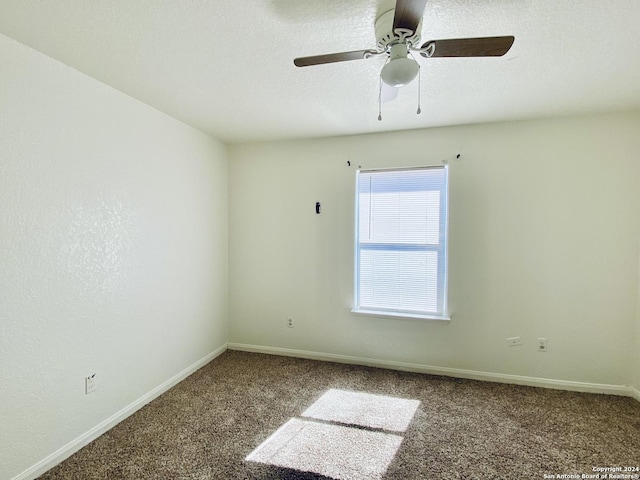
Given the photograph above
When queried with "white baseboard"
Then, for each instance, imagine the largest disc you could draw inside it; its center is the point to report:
(86, 438)
(635, 393)
(621, 390)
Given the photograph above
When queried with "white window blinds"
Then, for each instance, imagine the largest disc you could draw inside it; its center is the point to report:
(401, 241)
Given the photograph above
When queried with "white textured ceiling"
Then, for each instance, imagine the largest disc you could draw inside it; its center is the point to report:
(226, 66)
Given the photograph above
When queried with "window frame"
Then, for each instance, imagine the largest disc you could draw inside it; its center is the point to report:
(441, 248)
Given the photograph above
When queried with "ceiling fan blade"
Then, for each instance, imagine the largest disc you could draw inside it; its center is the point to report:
(408, 14)
(470, 47)
(332, 58)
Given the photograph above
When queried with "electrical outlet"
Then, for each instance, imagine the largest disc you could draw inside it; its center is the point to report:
(514, 341)
(542, 344)
(90, 384)
(290, 322)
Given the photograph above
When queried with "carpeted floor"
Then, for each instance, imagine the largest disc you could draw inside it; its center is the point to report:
(206, 427)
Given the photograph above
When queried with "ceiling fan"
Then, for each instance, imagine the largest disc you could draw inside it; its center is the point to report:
(398, 37)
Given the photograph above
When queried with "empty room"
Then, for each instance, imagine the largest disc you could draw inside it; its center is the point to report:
(295, 239)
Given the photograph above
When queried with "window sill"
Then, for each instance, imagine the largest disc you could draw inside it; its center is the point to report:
(411, 316)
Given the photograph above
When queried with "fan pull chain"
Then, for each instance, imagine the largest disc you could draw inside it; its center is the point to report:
(419, 111)
(380, 100)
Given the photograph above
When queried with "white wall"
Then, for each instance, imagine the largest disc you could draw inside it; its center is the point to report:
(544, 228)
(113, 251)
(635, 381)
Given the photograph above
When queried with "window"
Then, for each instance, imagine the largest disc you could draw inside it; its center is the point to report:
(401, 242)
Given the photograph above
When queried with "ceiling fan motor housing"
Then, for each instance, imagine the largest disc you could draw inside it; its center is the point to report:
(385, 36)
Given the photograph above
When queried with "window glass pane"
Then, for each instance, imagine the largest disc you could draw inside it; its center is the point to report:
(399, 280)
(399, 217)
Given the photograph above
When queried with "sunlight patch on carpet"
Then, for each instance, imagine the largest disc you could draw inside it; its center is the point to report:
(364, 409)
(344, 436)
(331, 450)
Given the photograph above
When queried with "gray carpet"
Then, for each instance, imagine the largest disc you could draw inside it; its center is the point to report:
(207, 426)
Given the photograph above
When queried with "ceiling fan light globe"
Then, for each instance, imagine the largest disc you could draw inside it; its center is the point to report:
(399, 72)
